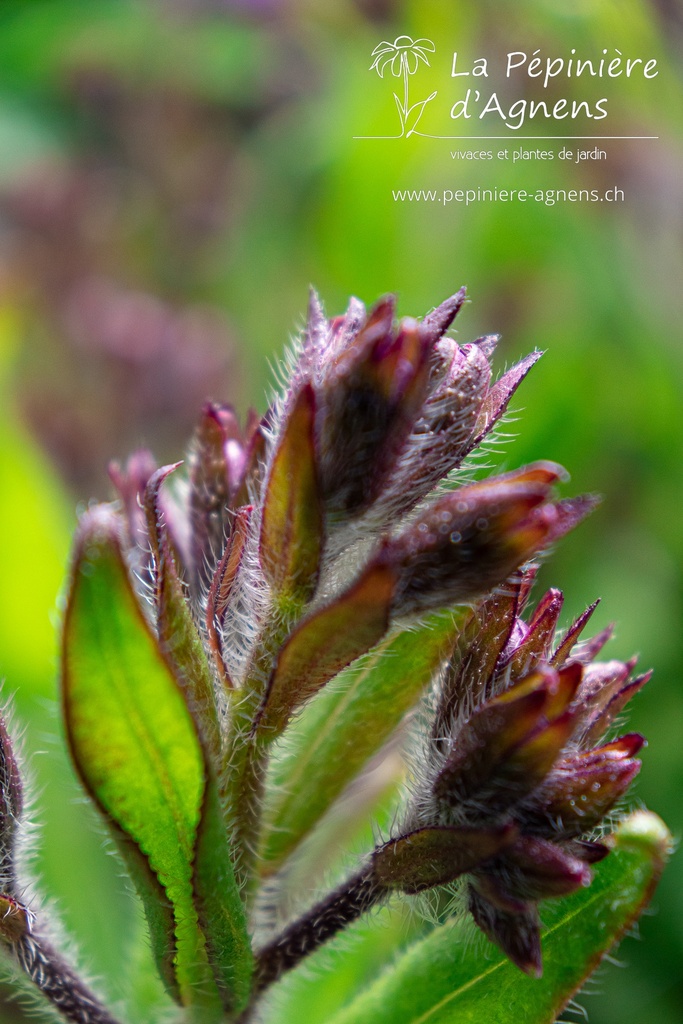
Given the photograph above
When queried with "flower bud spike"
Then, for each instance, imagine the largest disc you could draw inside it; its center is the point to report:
(536, 644)
(499, 397)
(564, 647)
(326, 547)
(436, 323)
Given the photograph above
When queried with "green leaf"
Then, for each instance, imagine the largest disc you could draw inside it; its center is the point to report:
(220, 908)
(336, 736)
(135, 745)
(325, 643)
(292, 525)
(445, 979)
(178, 636)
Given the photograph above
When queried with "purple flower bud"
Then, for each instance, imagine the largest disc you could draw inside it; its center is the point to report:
(469, 540)
(370, 391)
(535, 869)
(584, 788)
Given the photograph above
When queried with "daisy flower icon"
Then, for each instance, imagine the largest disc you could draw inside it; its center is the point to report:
(402, 58)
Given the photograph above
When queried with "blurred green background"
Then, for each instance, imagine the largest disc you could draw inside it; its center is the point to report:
(173, 176)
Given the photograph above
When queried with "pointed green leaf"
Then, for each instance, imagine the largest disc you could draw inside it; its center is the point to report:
(337, 735)
(178, 636)
(445, 979)
(292, 526)
(325, 643)
(219, 906)
(134, 743)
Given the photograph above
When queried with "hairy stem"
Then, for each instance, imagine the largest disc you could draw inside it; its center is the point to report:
(347, 903)
(245, 758)
(59, 983)
(242, 796)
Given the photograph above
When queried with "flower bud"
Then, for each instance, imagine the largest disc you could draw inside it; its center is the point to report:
(368, 399)
(469, 540)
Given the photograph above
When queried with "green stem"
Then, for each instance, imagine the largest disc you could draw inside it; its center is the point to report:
(245, 759)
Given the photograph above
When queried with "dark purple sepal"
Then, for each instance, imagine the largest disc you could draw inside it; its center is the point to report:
(517, 934)
(590, 851)
(539, 635)
(130, 482)
(499, 397)
(578, 794)
(588, 650)
(601, 719)
(436, 323)
(471, 667)
(292, 537)
(471, 770)
(563, 649)
(11, 803)
(536, 869)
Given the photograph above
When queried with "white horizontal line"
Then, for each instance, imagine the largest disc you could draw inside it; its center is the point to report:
(483, 138)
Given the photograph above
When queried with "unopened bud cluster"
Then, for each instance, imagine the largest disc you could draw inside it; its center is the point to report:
(289, 548)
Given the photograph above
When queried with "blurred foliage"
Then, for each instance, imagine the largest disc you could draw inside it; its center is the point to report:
(174, 173)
